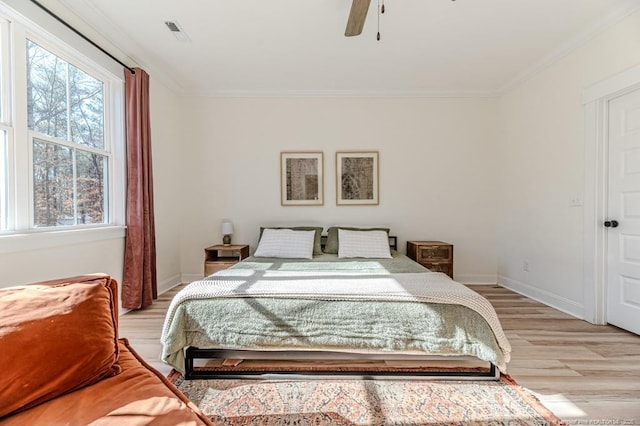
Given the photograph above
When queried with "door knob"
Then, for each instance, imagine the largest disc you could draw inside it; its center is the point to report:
(611, 223)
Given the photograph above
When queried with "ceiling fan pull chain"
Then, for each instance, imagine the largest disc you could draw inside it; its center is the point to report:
(379, 9)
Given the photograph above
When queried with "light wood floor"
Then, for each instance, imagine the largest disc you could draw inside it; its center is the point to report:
(585, 374)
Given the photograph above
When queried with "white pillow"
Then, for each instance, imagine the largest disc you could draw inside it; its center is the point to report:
(286, 243)
(370, 244)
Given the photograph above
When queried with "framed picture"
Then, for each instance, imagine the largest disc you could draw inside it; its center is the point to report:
(301, 179)
(357, 178)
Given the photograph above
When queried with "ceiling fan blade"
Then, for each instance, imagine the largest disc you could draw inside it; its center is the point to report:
(357, 16)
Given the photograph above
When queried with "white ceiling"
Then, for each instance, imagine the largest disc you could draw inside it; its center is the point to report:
(298, 47)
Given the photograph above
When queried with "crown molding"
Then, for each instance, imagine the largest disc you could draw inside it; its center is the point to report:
(122, 39)
(344, 94)
(607, 21)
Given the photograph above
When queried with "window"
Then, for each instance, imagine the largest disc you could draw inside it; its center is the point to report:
(61, 140)
(65, 114)
(4, 120)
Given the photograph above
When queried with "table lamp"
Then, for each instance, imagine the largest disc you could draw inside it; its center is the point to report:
(226, 230)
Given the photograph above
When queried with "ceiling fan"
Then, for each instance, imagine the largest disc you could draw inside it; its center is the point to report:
(357, 16)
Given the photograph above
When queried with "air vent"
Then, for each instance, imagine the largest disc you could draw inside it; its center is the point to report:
(177, 31)
(172, 26)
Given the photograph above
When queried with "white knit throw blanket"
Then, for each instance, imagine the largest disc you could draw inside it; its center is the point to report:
(432, 287)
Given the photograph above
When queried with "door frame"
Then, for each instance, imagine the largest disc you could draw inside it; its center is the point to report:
(596, 99)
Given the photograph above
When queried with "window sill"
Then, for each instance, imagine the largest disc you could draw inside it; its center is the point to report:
(25, 241)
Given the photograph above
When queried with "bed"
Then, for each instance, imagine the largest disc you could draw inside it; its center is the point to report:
(331, 307)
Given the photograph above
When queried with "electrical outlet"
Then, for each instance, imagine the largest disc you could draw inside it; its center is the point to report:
(576, 200)
(525, 266)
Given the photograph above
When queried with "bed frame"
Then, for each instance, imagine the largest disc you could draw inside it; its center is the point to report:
(192, 354)
(491, 372)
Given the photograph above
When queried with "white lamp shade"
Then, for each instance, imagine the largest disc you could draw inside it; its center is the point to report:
(227, 228)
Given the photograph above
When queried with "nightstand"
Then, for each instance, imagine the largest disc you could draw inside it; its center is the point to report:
(219, 257)
(435, 255)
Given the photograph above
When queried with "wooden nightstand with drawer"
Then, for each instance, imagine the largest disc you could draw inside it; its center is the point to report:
(435, 255)
(219, 257)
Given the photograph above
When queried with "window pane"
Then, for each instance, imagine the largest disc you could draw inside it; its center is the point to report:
(87, 108)
(52, 184)
(66, 103)
(91, 171)
(46, 92)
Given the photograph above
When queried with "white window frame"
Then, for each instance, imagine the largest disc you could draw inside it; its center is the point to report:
(20, 233)
(5, 120)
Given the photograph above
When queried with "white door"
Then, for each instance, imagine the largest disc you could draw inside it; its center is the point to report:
(623, 221)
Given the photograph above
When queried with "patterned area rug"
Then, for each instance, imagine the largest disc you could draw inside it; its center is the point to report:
(364, 402)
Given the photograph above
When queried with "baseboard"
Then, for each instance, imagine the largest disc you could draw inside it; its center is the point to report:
(163, 286)
(476, 279)
(168, 284)
(188, 278)
(560, 303)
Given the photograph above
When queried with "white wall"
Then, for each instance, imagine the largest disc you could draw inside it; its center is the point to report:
(167, 146)
(437, 170)
(542, 167)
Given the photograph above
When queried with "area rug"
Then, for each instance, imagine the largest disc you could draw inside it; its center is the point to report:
(364, 402)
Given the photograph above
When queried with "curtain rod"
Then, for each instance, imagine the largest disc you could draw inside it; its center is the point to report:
(62, 21)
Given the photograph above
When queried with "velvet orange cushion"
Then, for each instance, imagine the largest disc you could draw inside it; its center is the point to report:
(56, 337)
(139, 395)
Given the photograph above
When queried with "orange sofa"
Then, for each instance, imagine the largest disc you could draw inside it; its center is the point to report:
(65, 365)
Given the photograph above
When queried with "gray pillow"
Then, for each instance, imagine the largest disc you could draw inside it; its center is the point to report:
(331, 246)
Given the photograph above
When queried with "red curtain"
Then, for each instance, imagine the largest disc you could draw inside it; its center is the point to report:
(139, 282)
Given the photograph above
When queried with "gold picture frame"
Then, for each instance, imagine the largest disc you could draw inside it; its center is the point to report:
(357, 178)
(301, 178)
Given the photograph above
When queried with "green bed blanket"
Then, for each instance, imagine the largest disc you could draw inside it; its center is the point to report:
(269, 323)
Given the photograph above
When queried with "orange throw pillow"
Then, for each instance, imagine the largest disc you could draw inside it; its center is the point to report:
(56, 337)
